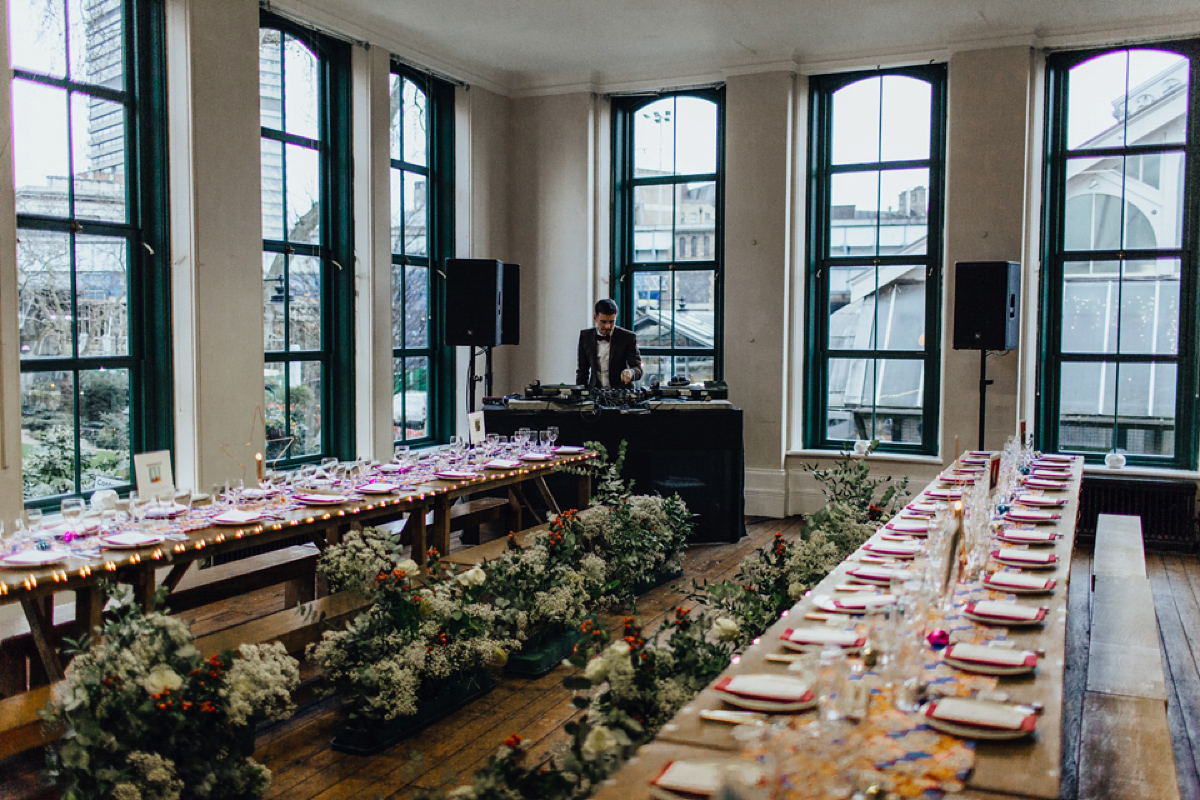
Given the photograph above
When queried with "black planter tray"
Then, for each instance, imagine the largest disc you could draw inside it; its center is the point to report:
(537, 660)
(655, 580)
(368, 737)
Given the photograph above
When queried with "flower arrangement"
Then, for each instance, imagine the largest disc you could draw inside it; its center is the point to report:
(147, 718)
(545, 588)
(638, 537)
(849, 483)
(607, 484)
(412, 639)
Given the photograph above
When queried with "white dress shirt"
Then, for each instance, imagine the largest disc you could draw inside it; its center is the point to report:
(602, 350)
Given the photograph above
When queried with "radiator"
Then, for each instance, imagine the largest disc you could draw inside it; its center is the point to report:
(1167, 509)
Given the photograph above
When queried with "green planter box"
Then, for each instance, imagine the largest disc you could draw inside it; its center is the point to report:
(534, 661)
(656, 580)
(366, 737)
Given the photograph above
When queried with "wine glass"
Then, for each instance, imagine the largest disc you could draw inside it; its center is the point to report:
(544, 441)
(72, 512)
(401, 453)
(34, 517)
(553, 431)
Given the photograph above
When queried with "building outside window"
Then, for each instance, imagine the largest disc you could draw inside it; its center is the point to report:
(669, 193)
(92, 252)
(1121, 239)
(307, 266)
(877, 167)
(422, 233)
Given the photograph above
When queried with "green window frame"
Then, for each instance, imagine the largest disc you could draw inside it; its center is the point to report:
(668, 247)
(93, 247)
(421, 157)
(308, 262)
(874, 274)
(1118, 366)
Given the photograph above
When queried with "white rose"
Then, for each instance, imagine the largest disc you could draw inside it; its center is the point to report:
(598, 742)
(162, 677)
(620, 648)
(725, 629)
(472, 577)
(596, 670)
(409, 567)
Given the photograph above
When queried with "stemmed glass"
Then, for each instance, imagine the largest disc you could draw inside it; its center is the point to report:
(553, 431)
(544, 441)
(72, 511)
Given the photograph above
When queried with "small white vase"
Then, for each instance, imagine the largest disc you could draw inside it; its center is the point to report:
(1115, 460)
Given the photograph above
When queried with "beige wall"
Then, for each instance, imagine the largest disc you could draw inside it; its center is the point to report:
(10, 392)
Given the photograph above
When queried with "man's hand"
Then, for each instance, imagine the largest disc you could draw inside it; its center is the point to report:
(626, 376)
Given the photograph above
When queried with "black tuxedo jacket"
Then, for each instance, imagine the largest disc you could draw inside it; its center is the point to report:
(622, 354)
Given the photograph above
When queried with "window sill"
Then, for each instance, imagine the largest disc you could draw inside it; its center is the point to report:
(1143, 472)
(897, 458)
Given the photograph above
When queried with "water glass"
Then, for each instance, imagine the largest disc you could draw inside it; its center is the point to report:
(553, 431)
(72, 512)
(544, 441)
(401, 454)
(34, 518)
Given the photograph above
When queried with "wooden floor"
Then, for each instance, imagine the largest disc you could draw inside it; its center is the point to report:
(446, 754)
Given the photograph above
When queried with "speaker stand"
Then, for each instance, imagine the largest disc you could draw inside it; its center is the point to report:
(983, 384)
(485, 378)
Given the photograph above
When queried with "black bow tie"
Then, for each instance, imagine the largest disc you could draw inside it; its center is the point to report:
(601, 337)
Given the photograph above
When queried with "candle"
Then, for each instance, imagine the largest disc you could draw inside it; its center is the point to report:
(258, 464)
(956, 445)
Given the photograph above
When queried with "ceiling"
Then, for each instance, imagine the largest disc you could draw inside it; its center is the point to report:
(532, 46)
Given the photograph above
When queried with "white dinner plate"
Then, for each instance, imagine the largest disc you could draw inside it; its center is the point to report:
(33, 558)
(973, 731)
(758, 703)
(568, 450)
(537, 457)
(236, 517)
(377, 488)
(998, 582)
(130, 541)
(322, 499)
(986, 668)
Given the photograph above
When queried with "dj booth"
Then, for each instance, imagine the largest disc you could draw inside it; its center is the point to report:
(678, 442)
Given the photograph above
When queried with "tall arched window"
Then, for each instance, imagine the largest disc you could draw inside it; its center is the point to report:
(93, 254)
(668, 169)
(307, 266)
(875, 249)
(422, 211)
(1118, 304)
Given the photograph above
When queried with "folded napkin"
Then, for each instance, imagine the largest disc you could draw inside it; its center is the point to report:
(502, 463)
(776, 688)
(945, 494)
(907, 549)
(1053, 474)
(1003, 609)
(908, 526)
(322, 499)
(1028, 556)
(131, 539)
(1045, 483)
(982, 714)
(377, 488)
(568, 449)
(921, 508)
(454, 475)
(823, 636)
(979, 453)
(34, 558)
(1039, 500)
(237, 517)
(257, 494)
(164, 512)
(861, 603)
(1057, 457)
(1033, 537)
(394, 468)
(1032, 515)
(1017, 580)
(956, 479)
(996, 656)
(704, 778)
(536, 457)
(975, 460)
(881, 574)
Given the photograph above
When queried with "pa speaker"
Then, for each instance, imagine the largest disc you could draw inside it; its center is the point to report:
(986, 295)
(474, 301)
(510, 311)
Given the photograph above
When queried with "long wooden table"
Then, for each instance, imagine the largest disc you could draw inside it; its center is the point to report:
(34, 589)
(1026, 768)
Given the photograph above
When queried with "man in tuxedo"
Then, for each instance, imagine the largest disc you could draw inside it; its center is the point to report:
(608, 355)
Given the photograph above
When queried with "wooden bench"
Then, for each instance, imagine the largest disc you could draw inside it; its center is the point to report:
(1125, 747)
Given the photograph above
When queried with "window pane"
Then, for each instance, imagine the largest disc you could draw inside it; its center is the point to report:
(396, 177)
(851, 308)
(44, 293)
(654, 297)
(270, 79)
(38, 42)
(96, 41)
(274, 305)
(904, 211)
(303, 174)
(279, 443)
(695, 323)
(416, 122)
(399, 308)
(695, 136)
(654, 139)
(696, 210)
(653, 210)
(416, 306)
(416, 215)
(1152, 214)
(47, 433)
(1089, 315)
(304, 316)
(1093, 221)
(656, 369)
(102, 305)
(272, 189)
(900, 384)
(98, 144)
(104, 427)
(907, 110)
(293, 409)
(850, 399)
(900, 312)
(1125, 97)
(300, 107)
(1150, 308)
(1146, 408)
(41, 145)
(697, 368)
(410, 401)
(855, 138)
(1088, 393)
